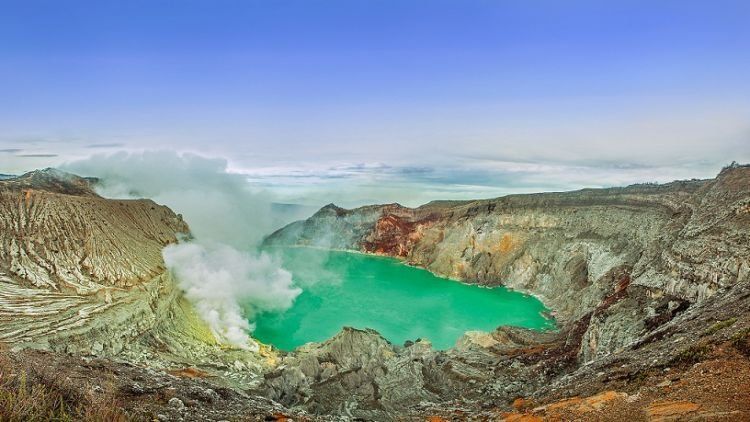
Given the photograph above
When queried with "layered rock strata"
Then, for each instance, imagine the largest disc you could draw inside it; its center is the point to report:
(82, 274)
(648, 283)
(615, 265)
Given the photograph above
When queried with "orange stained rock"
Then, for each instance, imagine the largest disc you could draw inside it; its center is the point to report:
(435, 419)
(666, 410)
(458, 268)
(562, 404)
(416, 235)
(27, 196)
(506, 243)
(582, 405)
(521, 417)
(189, 372)
(598, 401)
(520, 403)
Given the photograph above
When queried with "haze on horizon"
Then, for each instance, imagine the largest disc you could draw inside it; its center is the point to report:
(409, 101)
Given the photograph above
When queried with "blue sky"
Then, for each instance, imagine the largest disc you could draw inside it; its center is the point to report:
(374, 100)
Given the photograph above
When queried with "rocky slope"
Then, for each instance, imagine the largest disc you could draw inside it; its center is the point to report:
(667, 246)
(81, 274)
(68, 256)
(650, 286)
(619, 267)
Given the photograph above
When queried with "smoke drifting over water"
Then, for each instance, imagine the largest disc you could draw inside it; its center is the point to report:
(217, 278)
(221, 270)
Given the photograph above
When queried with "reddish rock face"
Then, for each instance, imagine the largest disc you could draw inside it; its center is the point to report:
(642, 279)
(391, 236)
(395, 235)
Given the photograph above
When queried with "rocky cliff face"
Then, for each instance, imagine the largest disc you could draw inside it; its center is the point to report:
(615, 265)
(666, 246)
(83, 274)
(56, 233)
(650, 284)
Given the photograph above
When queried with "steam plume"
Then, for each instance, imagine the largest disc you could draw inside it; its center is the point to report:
(220, 270)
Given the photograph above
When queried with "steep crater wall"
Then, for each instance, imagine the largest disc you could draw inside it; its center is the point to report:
(620, 261)
(636, 275)
(82, 274)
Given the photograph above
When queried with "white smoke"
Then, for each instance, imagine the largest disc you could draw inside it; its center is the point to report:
(217, 278)
(220, 269)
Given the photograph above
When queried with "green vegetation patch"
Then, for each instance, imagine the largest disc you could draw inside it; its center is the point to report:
(720, 326)
(741, 341)
(691, 355)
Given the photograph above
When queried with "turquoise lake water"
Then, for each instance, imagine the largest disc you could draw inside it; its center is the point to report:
(401, 302)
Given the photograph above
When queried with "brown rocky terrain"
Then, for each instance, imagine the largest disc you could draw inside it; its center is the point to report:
(649, 284)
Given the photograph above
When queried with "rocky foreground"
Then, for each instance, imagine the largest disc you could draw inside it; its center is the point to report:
(650, 285)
